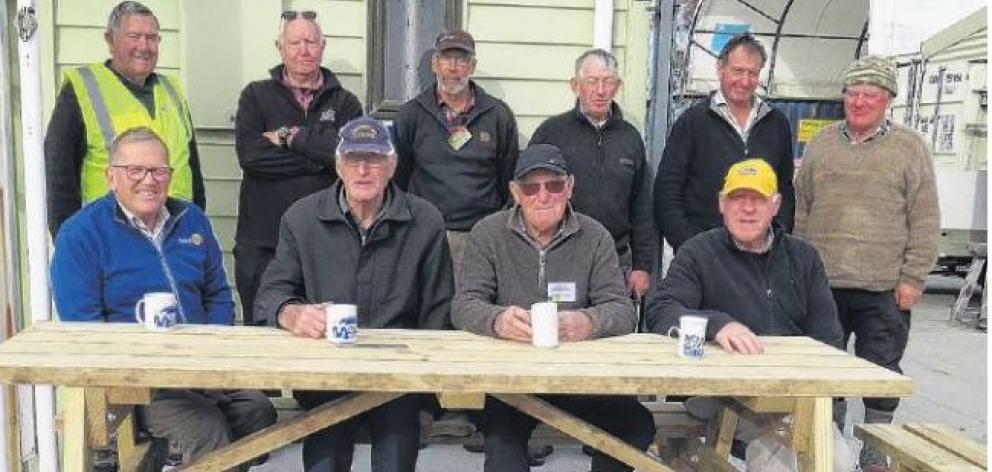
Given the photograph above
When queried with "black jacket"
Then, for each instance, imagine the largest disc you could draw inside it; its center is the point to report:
(400, 278)
(65, 147)
(612, 179)
(700, 149)
(466, 184)
(274, 177)
(783, 292)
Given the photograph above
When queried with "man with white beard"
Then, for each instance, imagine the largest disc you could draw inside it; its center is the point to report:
(457, 145)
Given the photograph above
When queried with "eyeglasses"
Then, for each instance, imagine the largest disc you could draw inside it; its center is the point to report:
(529, 189)
(290, 15)
(372, 160)
(138, 173)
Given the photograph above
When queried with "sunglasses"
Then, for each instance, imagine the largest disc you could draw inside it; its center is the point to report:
(530, 189)
(290, 15)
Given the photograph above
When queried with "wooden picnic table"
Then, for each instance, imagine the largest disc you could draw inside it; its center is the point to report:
(100, 362)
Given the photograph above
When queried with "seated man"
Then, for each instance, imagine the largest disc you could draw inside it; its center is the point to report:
(136, 240)
(365, 242)
(540, 250)
(747, 277)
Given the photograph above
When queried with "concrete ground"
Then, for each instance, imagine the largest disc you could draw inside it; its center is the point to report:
(948, 361)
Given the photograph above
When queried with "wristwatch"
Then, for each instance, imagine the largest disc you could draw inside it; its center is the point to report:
(283, 133)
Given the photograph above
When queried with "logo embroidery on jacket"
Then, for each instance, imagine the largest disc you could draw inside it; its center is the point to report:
(327, 115)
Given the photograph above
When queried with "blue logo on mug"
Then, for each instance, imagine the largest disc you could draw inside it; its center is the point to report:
(693, 346)
(167, 317)
(345, 331)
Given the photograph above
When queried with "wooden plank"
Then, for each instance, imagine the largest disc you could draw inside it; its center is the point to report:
(75, 453)
(129, 453)
(583, 431)
(285, 432)
(13, 426)
(129, 396)
(725, 434)
(812, 433)
(767, 404)
(98, 430)
(462, 400)
(703, 458)
(955, 442)
(912, 451)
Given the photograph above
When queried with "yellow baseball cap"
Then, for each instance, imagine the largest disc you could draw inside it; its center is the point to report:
(752, 174)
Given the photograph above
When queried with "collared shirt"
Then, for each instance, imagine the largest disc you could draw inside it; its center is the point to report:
(346, 209)
(303, 94)
(153, 234)
(522, 225)
(453, 119)
(724, 109)
(766, 248)
(597, 123)
(882, 130)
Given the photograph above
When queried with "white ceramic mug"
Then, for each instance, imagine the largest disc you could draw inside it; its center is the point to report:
(544, 324)
(342, 323)
(158, 311)
(692, 336)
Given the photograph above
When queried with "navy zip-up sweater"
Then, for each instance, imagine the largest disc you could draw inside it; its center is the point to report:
(102, 265)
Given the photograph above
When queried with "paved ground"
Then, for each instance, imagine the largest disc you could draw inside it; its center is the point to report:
(948, 361)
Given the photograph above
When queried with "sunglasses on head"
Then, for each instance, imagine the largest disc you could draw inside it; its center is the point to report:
(290, 15)
(530, 189)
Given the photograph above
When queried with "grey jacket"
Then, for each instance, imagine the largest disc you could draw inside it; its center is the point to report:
(401, 276)
(504, 267)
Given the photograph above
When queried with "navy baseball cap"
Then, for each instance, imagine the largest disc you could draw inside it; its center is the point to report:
(541, 156)
(454, 39)
(364, 134)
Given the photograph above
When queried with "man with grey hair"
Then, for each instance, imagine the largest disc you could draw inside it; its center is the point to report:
(285, 131)
(457, 144)
(98, 101)
(606, 154)
(866, 199)
(731, 125)
(136, 240)
(363, 241)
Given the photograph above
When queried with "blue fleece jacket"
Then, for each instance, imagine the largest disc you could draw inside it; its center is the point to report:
(102, 265)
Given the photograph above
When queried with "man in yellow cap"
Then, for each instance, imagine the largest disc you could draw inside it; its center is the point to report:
(747, 277)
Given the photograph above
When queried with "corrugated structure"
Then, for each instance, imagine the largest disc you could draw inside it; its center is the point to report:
(216, 47)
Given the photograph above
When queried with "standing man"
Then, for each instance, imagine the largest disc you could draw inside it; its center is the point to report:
(538, 251)
(457, 145)
(286, 130)
(866, 199)
(132, 241)
(606, 154)
(365, 242)
(99, 101)
(731, 125)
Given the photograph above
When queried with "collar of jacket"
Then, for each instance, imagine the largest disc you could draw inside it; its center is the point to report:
(568, 227)
(777, 232)
(616, 115)
(763, 110)
(428, 101)
(330, 80)
(177, 209)
(329, 209)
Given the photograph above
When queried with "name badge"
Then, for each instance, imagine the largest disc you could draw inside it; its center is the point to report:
(459, 138)
(561, 291)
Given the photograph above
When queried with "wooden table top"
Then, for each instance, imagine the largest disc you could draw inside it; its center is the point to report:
(126, 355)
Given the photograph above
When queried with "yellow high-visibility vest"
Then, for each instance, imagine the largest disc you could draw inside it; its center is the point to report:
(109, 108)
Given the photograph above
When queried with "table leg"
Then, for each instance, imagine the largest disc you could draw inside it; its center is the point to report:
(583, 431)
(75, 451)
(285, 432)
(813, 434)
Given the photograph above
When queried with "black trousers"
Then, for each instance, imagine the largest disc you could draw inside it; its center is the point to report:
(394, 428)
(250, 263)
(880, 329)
(508, 430)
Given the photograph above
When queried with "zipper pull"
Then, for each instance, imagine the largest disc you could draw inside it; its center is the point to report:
(769, 294)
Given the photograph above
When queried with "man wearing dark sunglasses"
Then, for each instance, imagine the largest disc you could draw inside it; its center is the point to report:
(99, 101)
(286, 130)
(457, 145)
(538, 251)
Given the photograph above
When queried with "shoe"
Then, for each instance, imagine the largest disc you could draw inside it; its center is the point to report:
(871, 460)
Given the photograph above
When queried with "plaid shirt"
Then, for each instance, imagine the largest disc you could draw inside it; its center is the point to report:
(882, 130)
(303, 95)
(453, 119)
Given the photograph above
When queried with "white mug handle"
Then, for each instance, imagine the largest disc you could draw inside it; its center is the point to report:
(138, 310)
(673, 328)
